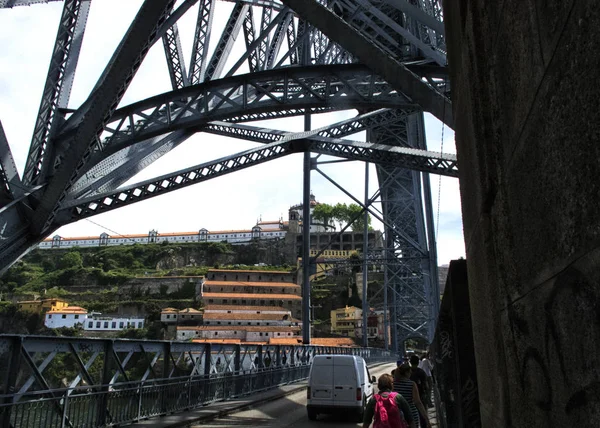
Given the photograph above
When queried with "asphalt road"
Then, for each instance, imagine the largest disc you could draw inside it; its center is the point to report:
(288, 411)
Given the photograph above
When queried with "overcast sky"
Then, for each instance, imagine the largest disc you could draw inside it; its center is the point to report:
(234, 201)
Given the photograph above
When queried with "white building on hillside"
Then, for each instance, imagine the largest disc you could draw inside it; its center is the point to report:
(71, 316)
(99, 322)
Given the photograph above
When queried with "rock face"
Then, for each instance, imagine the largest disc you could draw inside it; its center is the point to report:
(525, 97)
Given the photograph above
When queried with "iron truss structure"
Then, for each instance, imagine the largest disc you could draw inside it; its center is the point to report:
(73, 382)
(384, 59)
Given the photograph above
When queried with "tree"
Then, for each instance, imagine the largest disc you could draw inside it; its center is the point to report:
(358, 224)
(71, 260)
(323, 213)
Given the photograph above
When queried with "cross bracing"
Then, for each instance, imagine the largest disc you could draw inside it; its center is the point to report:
(269, 59)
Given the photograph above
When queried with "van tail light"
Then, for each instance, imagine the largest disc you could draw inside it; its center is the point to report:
(358, 394)
(308, 393)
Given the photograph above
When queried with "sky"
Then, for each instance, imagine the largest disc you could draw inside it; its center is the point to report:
(234, 201)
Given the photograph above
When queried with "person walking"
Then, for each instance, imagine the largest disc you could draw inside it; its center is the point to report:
(408, 389)
(427, 367)
(388, 409)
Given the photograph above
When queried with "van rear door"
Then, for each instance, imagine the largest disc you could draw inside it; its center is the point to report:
(345, 382)
(321, 381)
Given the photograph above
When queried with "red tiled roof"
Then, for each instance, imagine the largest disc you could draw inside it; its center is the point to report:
(251, 296)
(279, 272)
(296, 340)
(250, 284)
(234, 308)
(268, 328)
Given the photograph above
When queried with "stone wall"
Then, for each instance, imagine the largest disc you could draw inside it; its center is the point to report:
(526, 103)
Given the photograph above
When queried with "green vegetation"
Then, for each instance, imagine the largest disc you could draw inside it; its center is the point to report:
(43, 270)
(342, 214)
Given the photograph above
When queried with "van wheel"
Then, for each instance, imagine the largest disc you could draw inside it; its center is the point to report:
(360, 413)
(312, 413)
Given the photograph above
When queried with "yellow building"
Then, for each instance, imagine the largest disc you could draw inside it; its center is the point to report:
(345, 320)
(43, 305)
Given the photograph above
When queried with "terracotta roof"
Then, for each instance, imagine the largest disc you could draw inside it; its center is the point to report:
(189, 311)
(250, 284)
(279, 272)
(332, 341)
(251, 296)
(244, 316)
(268, 328)
(296, 340)
(233, 308)
(168, 310)
(226, 341)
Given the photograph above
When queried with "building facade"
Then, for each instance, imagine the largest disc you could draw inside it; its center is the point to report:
(345, 320)
(99, 323)
(69, 316)
(42, 305)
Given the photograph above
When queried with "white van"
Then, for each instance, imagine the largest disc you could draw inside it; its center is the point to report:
(338, 383)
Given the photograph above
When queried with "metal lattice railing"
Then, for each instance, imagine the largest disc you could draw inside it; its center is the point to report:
(129, 386)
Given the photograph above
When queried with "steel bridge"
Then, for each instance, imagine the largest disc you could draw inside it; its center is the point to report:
(74, 382)
(385, 59)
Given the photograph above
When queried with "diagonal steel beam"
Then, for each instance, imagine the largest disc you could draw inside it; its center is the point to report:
(11, 187)
(201, 41)
(223, 48)
(167, 183)
(368, 52)
(76, 147)
(58, 86)
(174, 56)
(125, 165)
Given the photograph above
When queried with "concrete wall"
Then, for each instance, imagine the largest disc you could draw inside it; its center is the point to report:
(526, 103)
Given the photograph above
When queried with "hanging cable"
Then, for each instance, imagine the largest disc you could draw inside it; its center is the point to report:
(110, 230)
(437, 225)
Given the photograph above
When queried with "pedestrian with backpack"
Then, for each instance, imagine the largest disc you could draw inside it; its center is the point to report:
(388, 409)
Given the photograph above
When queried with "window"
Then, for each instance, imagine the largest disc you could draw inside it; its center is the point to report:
(76, 317)
(260, 334)
(49, 316)
(121, 324)
(98, 323)
(105, 324)
(114, 324)
(228, 312)
(229, 323)
(64, 316)
(239, 323)
(219, 322)
(139, 325)
(278, 334)
(168, 316)
(90, 324)
(258, 312)
(224, 300)
(207, 322)
(243, 302)
(216, 333)
(234, 301)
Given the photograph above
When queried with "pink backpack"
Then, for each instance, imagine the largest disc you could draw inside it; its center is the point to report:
(387, 413)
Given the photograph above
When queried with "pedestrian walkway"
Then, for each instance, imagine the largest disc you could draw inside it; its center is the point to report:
(221, 408)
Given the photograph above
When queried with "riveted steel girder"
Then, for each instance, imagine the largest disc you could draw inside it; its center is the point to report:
(368, 50)
(58, 86)
(74, 148)
(333, 86)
